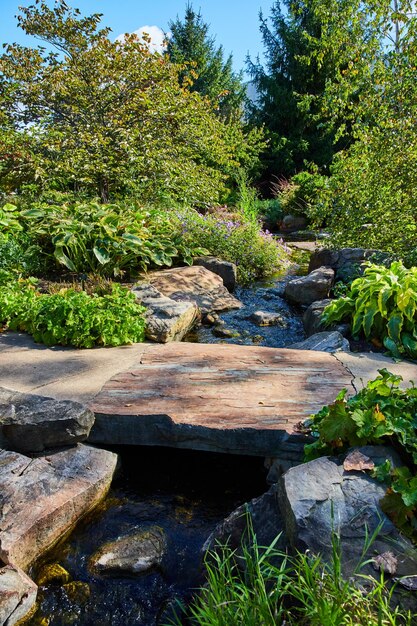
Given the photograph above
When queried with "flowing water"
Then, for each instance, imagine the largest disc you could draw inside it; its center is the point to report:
(184, 493)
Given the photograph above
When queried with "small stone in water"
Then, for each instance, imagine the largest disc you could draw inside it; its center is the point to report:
(53, 573)
(132, 554)
(77, 591)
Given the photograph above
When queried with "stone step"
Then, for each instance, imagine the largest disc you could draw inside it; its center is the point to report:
(222, 398)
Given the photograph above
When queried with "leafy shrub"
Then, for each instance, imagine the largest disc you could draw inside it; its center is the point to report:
(107, 239)
(383, 305)
(264, 586)
(301, 195)
(71, 317)
(380, 413)
(20, 255)
(256, 253)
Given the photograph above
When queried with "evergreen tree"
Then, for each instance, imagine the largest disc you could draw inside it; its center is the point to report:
(310, 44)
(203, 65)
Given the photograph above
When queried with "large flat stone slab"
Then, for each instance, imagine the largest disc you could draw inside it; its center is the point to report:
(224, 398)
(42, 498)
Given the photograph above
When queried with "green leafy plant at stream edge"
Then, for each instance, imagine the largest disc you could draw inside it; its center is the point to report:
(383, 305)
(258, 585)
(381, 413)
(72, 317)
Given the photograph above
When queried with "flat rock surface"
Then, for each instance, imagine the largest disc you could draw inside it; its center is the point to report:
(63, 373)
(228, 398)
(196, 284)
(42, 498)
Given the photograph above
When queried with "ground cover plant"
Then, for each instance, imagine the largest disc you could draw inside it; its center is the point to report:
(382, 304)
(381, 413)
(71, 317)
(264, 585)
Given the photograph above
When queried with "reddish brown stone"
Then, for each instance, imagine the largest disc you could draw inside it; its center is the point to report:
(241, 399)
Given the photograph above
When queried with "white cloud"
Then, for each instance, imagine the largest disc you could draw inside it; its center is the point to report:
(156, 34)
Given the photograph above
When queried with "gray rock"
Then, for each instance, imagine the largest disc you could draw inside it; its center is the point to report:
(42, 498)
(291, 223)
(17, 595)
(133, 554)
(347, 262)
(266, 318)
(312, 320)
(320, 497)
(262, 513)
(195, 284)
(312, 317)
(226, 270)
(211, 319)
(308, 289)
(166, 319)
(33, 423)
(326, 341)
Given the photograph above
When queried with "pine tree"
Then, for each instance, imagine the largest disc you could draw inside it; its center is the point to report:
(203, 65)
(286, 89)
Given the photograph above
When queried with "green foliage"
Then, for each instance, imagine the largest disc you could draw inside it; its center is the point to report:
(383, 305)
(263, 585)
(300, 195)
(108, 117)
(72, 317)
(256, 253)
(380, 413)
(202, 63)
(107, 239)
(371, 197)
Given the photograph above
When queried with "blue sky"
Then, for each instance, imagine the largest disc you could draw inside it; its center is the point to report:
(234, 23)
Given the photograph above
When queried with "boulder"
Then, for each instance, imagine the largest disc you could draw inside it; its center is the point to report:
(132, 554)
(166, 319)
(42, 498)
(292, 223)
(312, 320)
(327, 341)
(33, 423)
(262, 514)
(226, 270)
(267, 318)
(346, 262)
(17, 595)
(320, 498)
(308, 289)
(195, 284)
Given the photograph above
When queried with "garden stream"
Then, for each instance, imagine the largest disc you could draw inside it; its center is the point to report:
(183, 494)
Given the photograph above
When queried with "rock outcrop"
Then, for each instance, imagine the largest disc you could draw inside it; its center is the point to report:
(195, 284)
(166, 319)
(42, 498)
(330, 341)
(308, 289)
(346, 262)
(226, 270)
(32, 423)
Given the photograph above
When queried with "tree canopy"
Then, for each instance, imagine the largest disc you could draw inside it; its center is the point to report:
(107, 117)
(203, 64)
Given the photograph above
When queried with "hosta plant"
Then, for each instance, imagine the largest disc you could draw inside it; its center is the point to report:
(383, 305)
